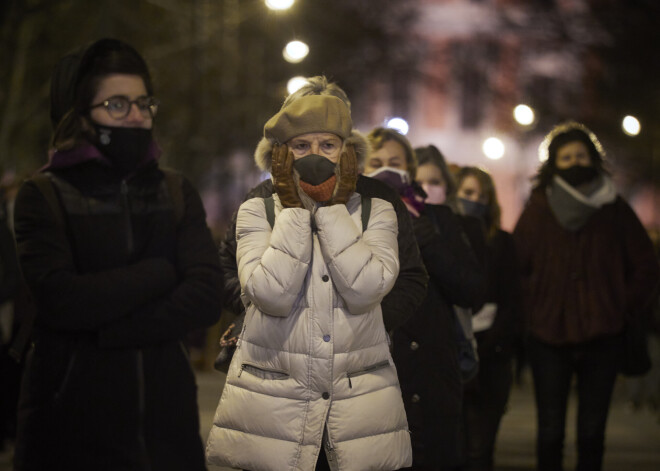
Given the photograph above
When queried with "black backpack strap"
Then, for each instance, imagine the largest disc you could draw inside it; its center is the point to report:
(174, 180)
(366, 211)
(270, 210)
(47, 188)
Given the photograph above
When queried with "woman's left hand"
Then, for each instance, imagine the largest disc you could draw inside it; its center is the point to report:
(348, 174)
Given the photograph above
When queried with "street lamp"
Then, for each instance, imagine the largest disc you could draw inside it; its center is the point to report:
(631, 125)
(493, 148)
(523, 114)
(295, 51)
(279, 4)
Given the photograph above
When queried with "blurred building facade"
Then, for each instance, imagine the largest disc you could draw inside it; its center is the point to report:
(477, 60)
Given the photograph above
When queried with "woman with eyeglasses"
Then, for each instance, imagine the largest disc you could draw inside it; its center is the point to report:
(121, 266)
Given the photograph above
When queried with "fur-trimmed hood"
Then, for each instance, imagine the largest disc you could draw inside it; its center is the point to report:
(263, 153)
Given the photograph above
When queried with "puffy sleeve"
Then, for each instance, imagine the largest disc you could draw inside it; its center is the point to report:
(364, 266)
(272, 263)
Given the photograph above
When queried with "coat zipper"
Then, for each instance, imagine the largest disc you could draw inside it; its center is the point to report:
(368, 369)
(127, 217)
(264, 370)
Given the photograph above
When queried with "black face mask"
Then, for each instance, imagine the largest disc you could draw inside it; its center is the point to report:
(124, 147)
(473, 208)
(578, 174)
(314, 169)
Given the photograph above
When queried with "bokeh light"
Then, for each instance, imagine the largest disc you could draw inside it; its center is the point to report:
(399, 124)
(294, 84)
(631, 125)
(493, 148)
(295, 51)
(523, 114)
(279, 4)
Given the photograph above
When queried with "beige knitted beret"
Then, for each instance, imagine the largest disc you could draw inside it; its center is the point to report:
(312, 113)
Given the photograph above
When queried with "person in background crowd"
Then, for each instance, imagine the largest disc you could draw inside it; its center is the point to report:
(587, 265)
(118, 278)
(434, 177)
(410, 286)
(312, 384)
(497, 325)
(425, 348)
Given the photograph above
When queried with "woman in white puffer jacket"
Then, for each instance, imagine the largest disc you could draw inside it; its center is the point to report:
(312, 384)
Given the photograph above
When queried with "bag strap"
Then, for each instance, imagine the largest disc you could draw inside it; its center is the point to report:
(270, 210)
(269, 202)
(366, 211)
(47, 188)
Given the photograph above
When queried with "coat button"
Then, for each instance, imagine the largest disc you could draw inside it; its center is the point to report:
(325, 395)
(325, 277)
(415, 398)
(414, 345)
(326, 338)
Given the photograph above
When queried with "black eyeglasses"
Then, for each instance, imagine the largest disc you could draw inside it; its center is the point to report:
(118, 107)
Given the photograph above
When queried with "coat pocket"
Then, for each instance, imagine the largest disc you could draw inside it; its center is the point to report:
(263, 373)
(366, 370)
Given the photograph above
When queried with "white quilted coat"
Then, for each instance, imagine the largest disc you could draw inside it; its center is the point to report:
(313, 365)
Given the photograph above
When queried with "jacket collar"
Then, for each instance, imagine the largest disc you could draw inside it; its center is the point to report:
(88, 153)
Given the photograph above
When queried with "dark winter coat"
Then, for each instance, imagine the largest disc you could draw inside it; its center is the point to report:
(503, 288)
(410, 286)
(425, 348)
(581, 285)
(108, 384)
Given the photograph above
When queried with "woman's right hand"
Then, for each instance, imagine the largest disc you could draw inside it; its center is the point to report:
(282, 172)
(226, 340)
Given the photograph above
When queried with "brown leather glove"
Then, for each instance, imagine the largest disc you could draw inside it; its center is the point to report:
(348, 174)
(282, 172)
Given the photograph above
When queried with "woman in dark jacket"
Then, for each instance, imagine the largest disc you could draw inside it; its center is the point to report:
(497, 325)
(425, 348)
(121, 266)
(587, 267)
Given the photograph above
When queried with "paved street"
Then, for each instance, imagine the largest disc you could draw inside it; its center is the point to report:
(633, 437)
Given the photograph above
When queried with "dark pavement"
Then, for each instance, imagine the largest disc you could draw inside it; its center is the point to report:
(633, 437)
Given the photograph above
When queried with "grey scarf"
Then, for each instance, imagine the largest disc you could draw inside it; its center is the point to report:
(573, 208)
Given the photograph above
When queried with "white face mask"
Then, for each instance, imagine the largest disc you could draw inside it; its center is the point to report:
(436, 194)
